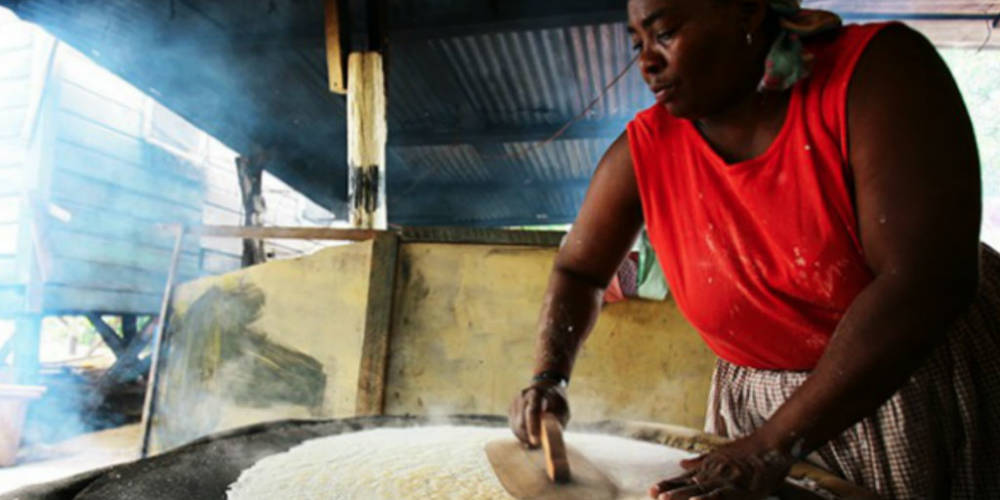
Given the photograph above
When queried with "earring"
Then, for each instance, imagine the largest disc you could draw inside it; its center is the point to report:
(749, 38)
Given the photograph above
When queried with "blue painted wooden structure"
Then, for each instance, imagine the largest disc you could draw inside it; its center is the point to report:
(82, 192)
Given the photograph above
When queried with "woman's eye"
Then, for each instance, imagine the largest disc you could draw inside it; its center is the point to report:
(637, 47)
(664, 36)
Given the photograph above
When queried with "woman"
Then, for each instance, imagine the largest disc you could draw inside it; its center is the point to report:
(812, 192)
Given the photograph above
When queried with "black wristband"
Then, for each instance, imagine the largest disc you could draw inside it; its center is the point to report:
(551, 376)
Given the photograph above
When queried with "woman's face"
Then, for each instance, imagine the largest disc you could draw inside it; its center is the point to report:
(693, 54)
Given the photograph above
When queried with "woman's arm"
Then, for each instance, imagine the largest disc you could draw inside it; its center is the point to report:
(916, 170)
(605, 228)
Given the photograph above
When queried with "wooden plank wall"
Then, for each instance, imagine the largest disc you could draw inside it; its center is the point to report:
(109, 255)
(17, 47)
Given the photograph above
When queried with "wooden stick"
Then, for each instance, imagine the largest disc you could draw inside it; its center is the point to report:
(556, 463)
(151, 380)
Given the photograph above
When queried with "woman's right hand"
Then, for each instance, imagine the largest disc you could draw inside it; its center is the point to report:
(526, 410)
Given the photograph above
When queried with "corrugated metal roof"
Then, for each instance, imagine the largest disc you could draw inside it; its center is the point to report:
(465, 101)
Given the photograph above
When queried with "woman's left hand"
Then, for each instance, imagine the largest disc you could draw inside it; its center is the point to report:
(746, 469)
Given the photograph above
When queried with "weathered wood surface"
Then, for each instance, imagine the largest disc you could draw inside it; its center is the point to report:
(522, 473)
(108, 334)
(366, 139)
(148, 406)
(250, 170)
(378, 324)
(335, 63)
(406, 234)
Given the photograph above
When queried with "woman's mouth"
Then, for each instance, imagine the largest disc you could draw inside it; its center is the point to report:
(664, 93)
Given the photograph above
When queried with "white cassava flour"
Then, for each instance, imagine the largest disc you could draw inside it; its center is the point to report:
(432, 463)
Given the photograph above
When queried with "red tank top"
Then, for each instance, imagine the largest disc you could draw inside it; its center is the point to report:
(763, 256)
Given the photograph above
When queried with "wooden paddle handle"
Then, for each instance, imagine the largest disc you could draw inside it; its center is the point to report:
(556, 463)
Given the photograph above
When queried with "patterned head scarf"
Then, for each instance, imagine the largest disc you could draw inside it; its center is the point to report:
(788, 61)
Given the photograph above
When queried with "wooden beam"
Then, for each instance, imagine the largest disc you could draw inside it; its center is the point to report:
(336, 66)
(290, 233)
(128, 365)
(108, 334)
(378, 322)
(483, 236)
(366, 138)
(130, 325)
(480, 236)
(250, 170)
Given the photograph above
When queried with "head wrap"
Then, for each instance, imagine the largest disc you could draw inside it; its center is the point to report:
(788, 61)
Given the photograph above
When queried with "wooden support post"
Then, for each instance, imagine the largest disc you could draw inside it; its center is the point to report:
(130, 325)
(366, 138)
(378, 322)
(335, 61)
(108, 334)
(250, 170)
(128, 366)
(27, 338)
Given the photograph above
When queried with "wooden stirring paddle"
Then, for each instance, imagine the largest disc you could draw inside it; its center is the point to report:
(533, 474)
(556, 462)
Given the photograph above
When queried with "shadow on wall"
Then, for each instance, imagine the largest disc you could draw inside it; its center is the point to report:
(229, 363)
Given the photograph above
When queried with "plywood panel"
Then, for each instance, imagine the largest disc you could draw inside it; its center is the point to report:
(467, 313)
(248, 346)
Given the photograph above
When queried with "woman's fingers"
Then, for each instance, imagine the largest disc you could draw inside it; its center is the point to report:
(516, 417)
(693, 463)
(533, 418)
(525, 412)
(671, 484)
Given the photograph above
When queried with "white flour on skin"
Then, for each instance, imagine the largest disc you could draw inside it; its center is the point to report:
(433, 463)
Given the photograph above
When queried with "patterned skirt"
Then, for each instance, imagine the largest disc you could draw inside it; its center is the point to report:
(937, 437)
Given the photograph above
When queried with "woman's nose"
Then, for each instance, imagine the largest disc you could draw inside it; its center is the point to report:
(650, 62)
